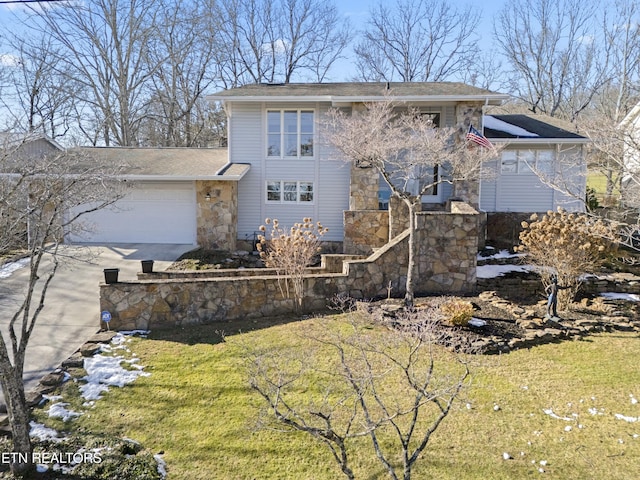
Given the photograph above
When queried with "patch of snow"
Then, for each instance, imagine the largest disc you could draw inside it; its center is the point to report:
(634, 400)
(477, 322)
(629, 297)
(493, 271)
(162, 466)
(506, 456)
(502, 254)
(494, 124)
(8, 268)
(549, 412)
(41, 468)
(627, 419)
(104, 371)
(59, 410)
(41, 432)
(567, 428)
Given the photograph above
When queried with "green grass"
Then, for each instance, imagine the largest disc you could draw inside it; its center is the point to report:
(598, 182)
(196, 407)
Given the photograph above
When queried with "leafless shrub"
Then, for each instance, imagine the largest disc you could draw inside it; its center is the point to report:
(290, 252)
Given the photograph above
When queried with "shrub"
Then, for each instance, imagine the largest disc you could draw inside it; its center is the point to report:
(290, 252)
(565, 245)
(457, 312)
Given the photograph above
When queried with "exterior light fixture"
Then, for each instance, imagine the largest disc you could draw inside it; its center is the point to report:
(207, 197)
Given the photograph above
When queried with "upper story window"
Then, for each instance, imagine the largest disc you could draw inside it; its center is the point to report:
(524, 162)
(279, 191)
(290, 133)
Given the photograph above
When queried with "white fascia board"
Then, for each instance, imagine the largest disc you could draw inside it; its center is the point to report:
(539, 141)
(185, 178)
(496, 99)
(487, 99)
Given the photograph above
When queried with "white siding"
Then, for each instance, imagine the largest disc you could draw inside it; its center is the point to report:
(245, 146)
(247, 134)
(525, 192)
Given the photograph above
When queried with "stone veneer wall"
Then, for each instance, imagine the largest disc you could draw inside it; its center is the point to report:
(363, 189)
(365, 230)
(217, 218)
(447, 249)
(445, 246)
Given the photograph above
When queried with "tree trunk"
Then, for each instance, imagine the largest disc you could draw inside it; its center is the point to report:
(411, 261)
(13, 389)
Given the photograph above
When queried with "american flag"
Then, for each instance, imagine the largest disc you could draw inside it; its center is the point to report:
(475, 136)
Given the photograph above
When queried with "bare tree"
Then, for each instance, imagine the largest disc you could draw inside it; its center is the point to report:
(182, 55)
(279, 41)
(411, 155)
(386, 384)
(622, 33)
(37, 196)
(416, 41)
(553, 50)
(43, 95)
(103, 44)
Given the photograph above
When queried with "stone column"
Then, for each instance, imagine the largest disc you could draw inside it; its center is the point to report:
(468, 113)
(217, 218)
(363, 188)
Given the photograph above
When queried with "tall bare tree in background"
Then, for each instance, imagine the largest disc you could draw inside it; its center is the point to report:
(103, 44)
(416, 41)
(37, 194)
(267, 42)
(554, 54)
(43, 96)
(182, 61)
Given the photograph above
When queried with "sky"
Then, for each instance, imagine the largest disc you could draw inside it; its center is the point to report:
(357, 11)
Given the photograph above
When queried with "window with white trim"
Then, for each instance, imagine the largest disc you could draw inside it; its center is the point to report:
(521, 162)
(280, 191)
(290, 133)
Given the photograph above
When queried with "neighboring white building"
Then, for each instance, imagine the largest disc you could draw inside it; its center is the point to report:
(630, 184)
(541, 168)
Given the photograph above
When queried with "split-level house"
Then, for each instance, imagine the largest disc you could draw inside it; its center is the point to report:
(295, 174)
(277, 165)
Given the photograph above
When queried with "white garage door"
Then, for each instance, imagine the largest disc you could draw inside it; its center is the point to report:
(151, 212)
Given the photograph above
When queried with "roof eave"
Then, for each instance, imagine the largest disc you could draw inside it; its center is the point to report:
(489, 99)
(181, 178)
(540, 141)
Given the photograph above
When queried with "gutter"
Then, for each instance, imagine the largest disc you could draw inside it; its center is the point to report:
(495, 99)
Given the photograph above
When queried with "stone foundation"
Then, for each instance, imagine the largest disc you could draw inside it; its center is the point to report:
(446, 263)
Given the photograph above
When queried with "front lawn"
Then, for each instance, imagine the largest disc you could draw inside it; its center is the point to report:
(567, 409)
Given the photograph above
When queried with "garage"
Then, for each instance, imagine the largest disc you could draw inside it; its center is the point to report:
(150, 212)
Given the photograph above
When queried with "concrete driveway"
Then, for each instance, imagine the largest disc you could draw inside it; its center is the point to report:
(72, 310)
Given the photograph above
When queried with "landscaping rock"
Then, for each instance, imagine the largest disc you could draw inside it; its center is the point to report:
(74, 361)
(33, 398)
(53, 379)
(89, 349)
(102, 337)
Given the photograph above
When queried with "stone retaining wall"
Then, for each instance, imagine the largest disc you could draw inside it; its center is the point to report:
(365, 230)
(529, 284)
(446, 263)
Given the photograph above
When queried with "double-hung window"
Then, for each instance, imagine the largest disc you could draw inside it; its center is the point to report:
(289, 192)
(523, 162)
(290, 133)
